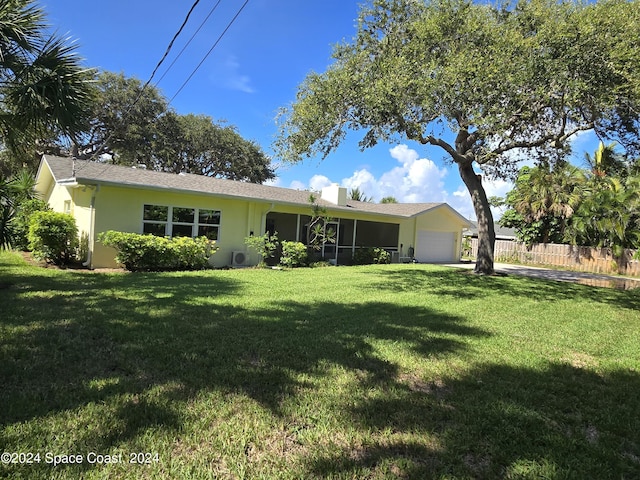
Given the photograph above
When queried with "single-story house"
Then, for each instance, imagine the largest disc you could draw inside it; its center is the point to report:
(502, 233)
(105, 197)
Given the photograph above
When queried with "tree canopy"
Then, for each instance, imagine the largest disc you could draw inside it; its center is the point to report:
(510, 81)
(135, 126)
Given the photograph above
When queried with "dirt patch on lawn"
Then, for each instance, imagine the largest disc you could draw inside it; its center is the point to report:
(75, 266)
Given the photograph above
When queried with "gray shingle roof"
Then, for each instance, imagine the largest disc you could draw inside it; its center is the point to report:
(86, 172)
(502, 233)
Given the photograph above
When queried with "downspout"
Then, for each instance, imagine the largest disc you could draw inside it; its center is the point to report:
(92, 211)
(263, 222)
(415, 239)
(353, 241)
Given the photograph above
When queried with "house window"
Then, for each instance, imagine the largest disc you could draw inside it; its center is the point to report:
(209, 223)
(181, 222)
(67, 206)
(155, 220)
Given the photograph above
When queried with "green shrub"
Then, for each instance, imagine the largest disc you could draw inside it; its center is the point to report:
(320, 264)
(151, 253)
(22, 221)
(53, 236)
(380, 256)
(83, 247)
(367, 256)
(265, 245)
(294, 254)
(363, 256)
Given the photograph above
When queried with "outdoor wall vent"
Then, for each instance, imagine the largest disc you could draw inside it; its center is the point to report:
(238, 259)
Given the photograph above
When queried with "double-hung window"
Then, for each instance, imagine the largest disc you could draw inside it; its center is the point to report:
(181, 222)
(208, 223)
(155, 220)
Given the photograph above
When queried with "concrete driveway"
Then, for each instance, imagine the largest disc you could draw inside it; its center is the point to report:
(583, 278)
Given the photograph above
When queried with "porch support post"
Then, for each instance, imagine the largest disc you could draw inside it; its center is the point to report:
(353, 242)
(298, 228)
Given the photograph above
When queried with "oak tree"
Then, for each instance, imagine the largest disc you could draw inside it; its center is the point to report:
(508, 81)
(134, 125)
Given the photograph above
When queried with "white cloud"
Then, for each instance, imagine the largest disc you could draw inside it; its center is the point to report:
(296, 185)
(227, 74)
(413, 180)
(273, 182)
(318, 182)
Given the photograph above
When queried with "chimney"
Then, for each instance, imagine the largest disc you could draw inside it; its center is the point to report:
(335, 194)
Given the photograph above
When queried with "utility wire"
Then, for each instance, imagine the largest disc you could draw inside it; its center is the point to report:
(140, 93)
(189, 42)
(210, 50)
(170, 46)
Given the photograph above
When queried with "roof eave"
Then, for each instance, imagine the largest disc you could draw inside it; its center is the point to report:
(92, 181)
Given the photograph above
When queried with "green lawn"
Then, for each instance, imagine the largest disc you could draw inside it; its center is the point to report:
(394, 371)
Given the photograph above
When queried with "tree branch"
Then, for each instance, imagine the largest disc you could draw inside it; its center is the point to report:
(557, 138)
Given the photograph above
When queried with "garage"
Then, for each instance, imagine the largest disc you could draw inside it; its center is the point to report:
(435, 247)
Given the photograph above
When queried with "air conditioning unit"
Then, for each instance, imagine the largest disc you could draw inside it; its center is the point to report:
(239, 259)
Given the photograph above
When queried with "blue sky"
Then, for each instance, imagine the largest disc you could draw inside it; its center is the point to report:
(253, 71)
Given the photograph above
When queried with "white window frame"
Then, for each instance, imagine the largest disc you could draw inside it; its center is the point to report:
(169, 223)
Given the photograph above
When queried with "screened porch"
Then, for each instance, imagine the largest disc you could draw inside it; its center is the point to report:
(351, 234)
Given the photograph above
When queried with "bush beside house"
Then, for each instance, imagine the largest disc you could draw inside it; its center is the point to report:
(53, 237)
(22, 221)
(294, 254)
(152, 253)
(368, 256)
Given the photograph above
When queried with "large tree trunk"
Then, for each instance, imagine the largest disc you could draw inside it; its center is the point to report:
(486, 231)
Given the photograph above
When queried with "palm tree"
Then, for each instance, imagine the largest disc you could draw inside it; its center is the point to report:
(358, 195)
(43, 87)
(609, 216)
(605, 162)
(549, 195)
(13, 192)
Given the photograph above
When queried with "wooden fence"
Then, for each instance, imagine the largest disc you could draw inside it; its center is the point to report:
(582, 259)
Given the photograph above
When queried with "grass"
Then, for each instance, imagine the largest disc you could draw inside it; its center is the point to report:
(395, 371)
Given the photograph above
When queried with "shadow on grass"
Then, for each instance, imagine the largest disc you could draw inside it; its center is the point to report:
(142, 344)
(500, 422)
(462, 284)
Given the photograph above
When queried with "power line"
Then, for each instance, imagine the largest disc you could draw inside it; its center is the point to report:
(189, 42)
(140, 93)
(170, 44)
(210, 50)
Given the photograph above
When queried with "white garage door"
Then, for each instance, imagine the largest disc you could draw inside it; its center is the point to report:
(435, 247)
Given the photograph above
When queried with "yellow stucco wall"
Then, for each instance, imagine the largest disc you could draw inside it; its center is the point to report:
(121, 209)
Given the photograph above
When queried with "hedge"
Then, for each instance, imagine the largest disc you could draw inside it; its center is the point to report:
(152, 253)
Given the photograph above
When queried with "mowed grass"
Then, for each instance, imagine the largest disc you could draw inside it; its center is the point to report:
(394, 371)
